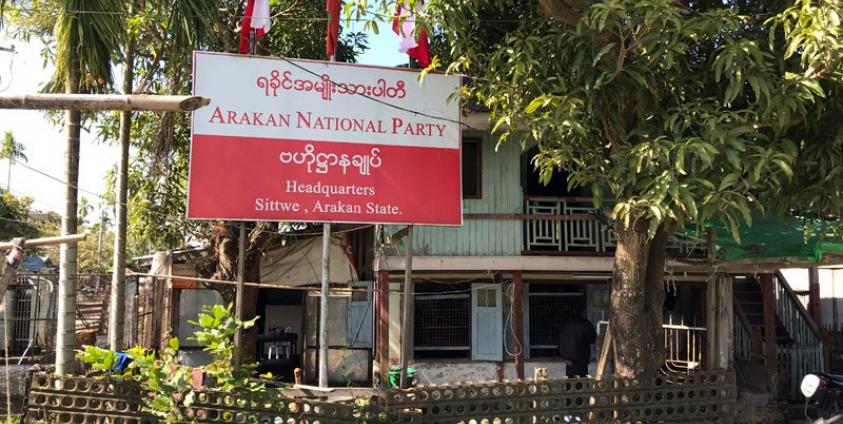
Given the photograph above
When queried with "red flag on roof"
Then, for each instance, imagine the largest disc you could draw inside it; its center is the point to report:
(333, 8)
(255, 17)
(405, 25)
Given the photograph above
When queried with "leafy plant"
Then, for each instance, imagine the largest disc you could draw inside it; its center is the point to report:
(218, 327)
(167, 383)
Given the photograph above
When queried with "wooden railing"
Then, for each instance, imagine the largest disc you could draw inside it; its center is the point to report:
(573, 224)
(805, 354)
(742, 334)
(793, 314)
(684, 345)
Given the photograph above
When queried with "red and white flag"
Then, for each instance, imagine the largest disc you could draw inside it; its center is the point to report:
(405, 25)
(333, 32)
(255, 17)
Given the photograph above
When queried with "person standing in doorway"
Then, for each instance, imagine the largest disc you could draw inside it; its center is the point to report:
(576, 335)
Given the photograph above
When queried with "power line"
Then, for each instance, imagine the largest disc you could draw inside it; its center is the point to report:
(59, 180)
(162, 215)
(385, 103)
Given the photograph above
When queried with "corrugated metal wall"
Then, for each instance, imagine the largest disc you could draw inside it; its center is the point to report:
(502, 194)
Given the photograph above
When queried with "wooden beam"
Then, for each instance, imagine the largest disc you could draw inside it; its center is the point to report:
(382, 329)
(814, 294)
(768, 296)
(518, 322)
(573, 264)
(131, 102)
(725, 322)
(526, 217)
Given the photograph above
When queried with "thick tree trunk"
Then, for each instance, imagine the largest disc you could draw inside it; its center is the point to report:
(66, 314)
(637, 301)
(118, 276)
(224, 241)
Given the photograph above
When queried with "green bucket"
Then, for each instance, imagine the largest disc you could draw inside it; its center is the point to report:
(395, 375)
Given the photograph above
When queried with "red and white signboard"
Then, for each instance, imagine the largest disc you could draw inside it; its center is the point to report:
(305, 140)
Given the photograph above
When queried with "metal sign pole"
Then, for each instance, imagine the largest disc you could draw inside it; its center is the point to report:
(241, 263)
(323, 305)
(407, 310)
(238, 302)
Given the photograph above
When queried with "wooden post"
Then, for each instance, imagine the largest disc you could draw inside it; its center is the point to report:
(518, 321)
(605, 350)
(725, 322)
(323, 305)
(768, 297)
(130, 335)
(814, 295)
(382, 339)
(711, 321)
(238, 300)
(407, 310)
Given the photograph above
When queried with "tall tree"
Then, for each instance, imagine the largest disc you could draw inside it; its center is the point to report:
(87, 34)
(674, 112)
(11, 150)
(14, 217)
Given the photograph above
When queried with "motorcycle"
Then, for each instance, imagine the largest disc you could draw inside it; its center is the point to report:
(823, 392)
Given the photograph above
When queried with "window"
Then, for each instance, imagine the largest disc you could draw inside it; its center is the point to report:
(550, 304)
(442, 321)
(471, 168)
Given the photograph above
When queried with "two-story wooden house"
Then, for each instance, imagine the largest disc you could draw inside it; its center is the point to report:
(489, 295)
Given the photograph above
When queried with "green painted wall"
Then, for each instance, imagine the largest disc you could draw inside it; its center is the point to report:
(502, 194)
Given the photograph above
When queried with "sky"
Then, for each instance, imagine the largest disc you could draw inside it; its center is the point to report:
(24, 72)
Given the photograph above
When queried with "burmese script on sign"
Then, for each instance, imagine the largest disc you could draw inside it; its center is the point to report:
(319, 141)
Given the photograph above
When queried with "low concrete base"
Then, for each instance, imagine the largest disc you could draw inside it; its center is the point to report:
(17, 384)
(453, 372)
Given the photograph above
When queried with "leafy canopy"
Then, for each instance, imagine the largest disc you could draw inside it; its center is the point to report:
(675, 111)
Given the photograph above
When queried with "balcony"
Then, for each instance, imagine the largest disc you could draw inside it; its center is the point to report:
(572, 225)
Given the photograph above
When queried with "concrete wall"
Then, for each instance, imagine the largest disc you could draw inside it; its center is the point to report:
(345, 366)
(451, 372)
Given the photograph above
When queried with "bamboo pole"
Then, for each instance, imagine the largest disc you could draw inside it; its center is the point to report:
(46, 241)
(604, 354)
(132, 102)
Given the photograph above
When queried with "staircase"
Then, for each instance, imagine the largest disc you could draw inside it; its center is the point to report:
(747, 292)
(798, 339)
